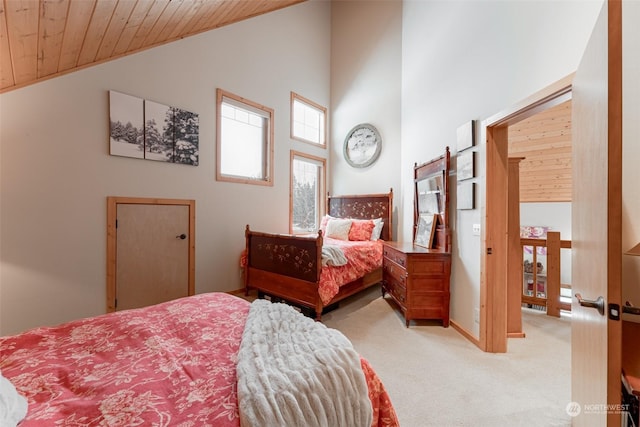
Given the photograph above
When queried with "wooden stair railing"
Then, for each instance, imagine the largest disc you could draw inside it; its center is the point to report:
(551, 298)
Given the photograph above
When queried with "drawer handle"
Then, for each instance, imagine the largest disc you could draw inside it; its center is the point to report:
(401, 262)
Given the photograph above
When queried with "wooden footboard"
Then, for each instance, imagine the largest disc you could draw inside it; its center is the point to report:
(289, 267)
(285, 266)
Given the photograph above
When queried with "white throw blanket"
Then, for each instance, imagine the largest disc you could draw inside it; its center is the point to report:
(293, 371)
(333, 255)
(13, 407)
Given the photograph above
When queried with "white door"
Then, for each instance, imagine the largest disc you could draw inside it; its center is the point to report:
(596, 224)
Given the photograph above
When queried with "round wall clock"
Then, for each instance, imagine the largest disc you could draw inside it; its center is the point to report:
(362, 145)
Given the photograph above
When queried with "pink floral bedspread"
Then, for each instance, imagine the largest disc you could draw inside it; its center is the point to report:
(363, 257)
(172, 364)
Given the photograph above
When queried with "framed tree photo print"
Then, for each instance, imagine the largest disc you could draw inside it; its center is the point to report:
(426, 230)
(465, 136)
(466, 165)
(126, 125)
(466, 196)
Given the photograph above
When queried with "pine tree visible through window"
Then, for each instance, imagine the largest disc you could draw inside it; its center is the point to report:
(244, 140)
(307, 120)
(307, 188)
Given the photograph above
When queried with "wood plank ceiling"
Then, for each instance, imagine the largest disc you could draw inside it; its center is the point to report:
(40, 39)
(544, 140)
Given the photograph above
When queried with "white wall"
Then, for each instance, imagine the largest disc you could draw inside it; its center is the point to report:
(467, 60)
(630, 152)
(557, 216)
(365, 88)
(56, 171)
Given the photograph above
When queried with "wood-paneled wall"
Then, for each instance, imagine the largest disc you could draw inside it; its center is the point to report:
(544, 140)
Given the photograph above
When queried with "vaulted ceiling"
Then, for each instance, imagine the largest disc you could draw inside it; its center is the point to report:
(40, 39)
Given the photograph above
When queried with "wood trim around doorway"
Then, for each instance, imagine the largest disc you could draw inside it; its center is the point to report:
(494, 212)
(112, 204)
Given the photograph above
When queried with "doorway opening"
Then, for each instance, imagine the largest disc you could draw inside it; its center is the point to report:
(540, 202)
(495, 257)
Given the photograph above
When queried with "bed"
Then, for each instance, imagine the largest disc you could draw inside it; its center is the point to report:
(179, 363)
(290, 267)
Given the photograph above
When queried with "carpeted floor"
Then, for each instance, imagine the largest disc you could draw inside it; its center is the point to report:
(436, 377)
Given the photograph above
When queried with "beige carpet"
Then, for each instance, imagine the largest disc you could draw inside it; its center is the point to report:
(435, 377)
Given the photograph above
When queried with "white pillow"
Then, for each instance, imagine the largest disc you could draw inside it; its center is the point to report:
(323, 223)
(377, 228)
(338, 228)
(13, 406)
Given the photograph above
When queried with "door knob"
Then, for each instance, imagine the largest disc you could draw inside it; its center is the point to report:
(181, 236)
(597, 304)
(631, 309)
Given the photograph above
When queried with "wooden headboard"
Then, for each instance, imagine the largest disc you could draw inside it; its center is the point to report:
(364, 206)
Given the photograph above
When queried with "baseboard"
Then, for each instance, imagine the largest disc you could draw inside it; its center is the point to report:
(462, 331)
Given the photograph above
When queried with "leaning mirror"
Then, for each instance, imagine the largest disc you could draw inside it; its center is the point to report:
(431, 203)
(429, 194)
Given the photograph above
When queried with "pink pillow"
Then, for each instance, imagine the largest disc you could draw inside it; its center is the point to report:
(361, 229)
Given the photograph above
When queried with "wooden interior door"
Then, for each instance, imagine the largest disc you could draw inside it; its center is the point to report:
(152, 251)
(596, 223)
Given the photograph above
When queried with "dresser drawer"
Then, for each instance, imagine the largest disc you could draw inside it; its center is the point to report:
(395, 256)
(428, 266)
(395, 288)
(426, 283)
(395, 271)
(429, 305)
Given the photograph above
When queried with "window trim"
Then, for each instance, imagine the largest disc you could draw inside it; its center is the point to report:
(321, 191)
(269, 149)
(300, 98)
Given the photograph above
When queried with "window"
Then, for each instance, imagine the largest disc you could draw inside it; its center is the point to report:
(307, 120)
(307, 188)
(244, 140)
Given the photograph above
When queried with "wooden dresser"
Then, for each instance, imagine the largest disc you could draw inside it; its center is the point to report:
(417, 279)
(416, 274)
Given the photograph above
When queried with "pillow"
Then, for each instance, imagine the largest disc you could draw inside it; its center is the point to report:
(13, 406)
(361, 229)
(338, 228)
(323, 223)
(377, 228)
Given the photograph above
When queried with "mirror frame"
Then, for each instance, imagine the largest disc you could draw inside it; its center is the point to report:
(435, 236)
